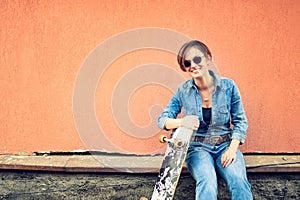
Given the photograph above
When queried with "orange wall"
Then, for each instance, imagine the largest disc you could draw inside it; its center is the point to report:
(45, 44)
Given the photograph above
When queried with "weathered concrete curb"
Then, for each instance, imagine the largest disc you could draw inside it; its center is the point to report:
(104, 162)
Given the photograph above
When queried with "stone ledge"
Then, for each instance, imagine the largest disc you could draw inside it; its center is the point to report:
(104, 162)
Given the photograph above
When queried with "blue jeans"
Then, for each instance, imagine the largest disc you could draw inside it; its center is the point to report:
(205, 162)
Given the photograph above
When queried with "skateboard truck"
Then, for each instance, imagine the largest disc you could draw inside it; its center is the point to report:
(177, 142)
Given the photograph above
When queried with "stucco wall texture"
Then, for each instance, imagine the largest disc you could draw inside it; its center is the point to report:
(45, 43)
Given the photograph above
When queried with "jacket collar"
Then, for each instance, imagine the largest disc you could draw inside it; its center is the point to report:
(217, 80)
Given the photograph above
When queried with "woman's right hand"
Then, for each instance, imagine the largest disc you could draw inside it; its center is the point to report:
(190, 122)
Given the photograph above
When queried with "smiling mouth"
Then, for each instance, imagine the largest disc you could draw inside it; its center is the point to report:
(197, 69)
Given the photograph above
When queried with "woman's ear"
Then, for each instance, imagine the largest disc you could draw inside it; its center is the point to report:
(209, 60)
(208, 57)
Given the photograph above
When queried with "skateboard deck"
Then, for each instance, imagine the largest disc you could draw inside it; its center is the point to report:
(172, 163)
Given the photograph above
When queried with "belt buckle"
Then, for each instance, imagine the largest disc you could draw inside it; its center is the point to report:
(214, 139)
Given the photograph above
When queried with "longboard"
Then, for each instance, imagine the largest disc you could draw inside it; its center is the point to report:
(172, 164)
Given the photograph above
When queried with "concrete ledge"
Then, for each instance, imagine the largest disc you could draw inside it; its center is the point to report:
(104, 162)
(105, 176)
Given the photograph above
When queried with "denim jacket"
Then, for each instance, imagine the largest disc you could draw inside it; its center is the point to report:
(226, 105)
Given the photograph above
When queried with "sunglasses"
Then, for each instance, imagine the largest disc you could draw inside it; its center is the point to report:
(196, 60)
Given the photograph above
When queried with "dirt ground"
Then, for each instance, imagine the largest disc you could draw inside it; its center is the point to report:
(119, 186)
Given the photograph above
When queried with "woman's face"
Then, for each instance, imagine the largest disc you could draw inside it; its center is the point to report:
(195, 62)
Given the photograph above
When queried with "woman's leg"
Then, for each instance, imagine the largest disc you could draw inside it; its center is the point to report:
(201, 166)
(235, 177)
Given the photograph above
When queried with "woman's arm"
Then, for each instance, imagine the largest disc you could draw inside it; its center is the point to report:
(238, 116)
(240, 128)
(173, 123)
(167, 119)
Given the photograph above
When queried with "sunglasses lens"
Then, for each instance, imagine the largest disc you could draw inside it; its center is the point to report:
(187, 63)
(197, 60)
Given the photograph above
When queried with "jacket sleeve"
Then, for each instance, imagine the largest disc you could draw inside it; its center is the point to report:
(238, 116)
(171, 111)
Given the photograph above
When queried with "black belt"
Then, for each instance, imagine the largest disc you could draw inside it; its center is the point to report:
(213, 140)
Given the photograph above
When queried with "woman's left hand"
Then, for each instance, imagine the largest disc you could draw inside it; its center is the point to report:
(228, 157)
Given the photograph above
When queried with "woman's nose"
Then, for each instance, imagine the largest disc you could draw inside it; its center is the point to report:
(193, 64)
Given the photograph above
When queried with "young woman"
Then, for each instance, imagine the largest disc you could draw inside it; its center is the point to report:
(213, 107)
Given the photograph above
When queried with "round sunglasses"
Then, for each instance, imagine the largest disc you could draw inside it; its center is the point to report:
(196, 60)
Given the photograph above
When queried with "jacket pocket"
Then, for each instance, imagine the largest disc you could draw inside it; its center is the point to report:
(222, 114)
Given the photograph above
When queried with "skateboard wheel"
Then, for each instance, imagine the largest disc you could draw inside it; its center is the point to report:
(178, 143)
(163, 138)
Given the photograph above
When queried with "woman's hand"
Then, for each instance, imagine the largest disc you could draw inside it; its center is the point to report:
(229, 156)
(190, 122)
